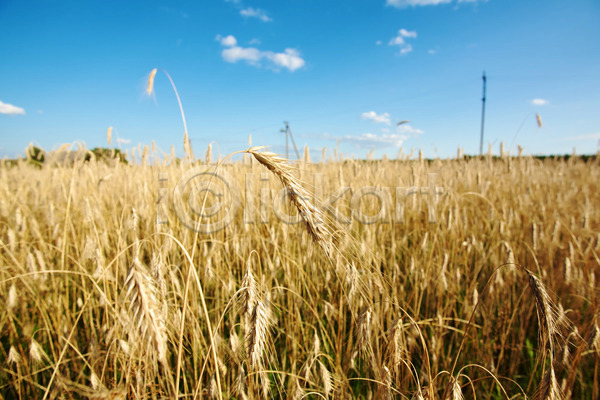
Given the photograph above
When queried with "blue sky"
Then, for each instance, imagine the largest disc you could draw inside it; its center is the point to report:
(339, 71)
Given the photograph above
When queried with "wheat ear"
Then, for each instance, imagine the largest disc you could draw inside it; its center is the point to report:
(549, 389)
(145, 309)
(313, 218)
(545, 312)
(258, 329)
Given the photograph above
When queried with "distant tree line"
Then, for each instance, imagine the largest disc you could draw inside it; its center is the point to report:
(38, 157)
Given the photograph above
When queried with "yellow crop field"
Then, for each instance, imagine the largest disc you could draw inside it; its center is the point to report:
(258, 277)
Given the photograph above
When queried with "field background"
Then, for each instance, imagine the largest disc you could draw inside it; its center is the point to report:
(496, 298)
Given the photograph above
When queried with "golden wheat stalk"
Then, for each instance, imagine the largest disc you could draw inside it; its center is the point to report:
(396, 352)
(150, 88)
(12, 299)
(258, 328)
(13, 356)
(363, 337)
(549, 389)
(545, 312)
(250, 294)
(327, 379)
(208, 157)
(146, 311)
(594, 335)
(36, 353)
(313, 218)
(456, 391)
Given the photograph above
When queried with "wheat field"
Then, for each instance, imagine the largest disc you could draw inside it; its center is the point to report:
(467, 278)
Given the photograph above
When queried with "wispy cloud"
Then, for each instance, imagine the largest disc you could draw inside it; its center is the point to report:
(539, 102)
(379, 118)
(9, 109)
(170, 10)
(123, 141)
(402, 34)
(289, 58)
(413, 3)
(255, 13)
(371, 140)
(400, 40)
(408, 130)
(417, 3)
(250, 12)
(591, 136)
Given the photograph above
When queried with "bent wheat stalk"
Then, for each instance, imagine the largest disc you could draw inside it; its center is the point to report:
(313, 218)
(150, 89)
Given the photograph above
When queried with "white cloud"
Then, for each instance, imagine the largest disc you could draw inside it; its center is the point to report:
(414, 3)
(400, 40)
(406, 49)
(408, 130)
(255, 13)
(254, 41)
(123, 141)
(9, 109)
(378, 43)
(431, 51)
(539, 102)
(408, 34)
(397, 41)
(236, 53)
(371, 140)
(417, 3)
(227, 40)
(591, 136)
(379, 118)
(289, 59)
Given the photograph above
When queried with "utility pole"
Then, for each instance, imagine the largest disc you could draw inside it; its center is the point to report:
(482, 115)
(288, 135)
(287, 146)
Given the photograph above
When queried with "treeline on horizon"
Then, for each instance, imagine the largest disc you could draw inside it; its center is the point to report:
(37, 156)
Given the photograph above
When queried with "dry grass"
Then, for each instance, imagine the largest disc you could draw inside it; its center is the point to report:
(496, 298)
